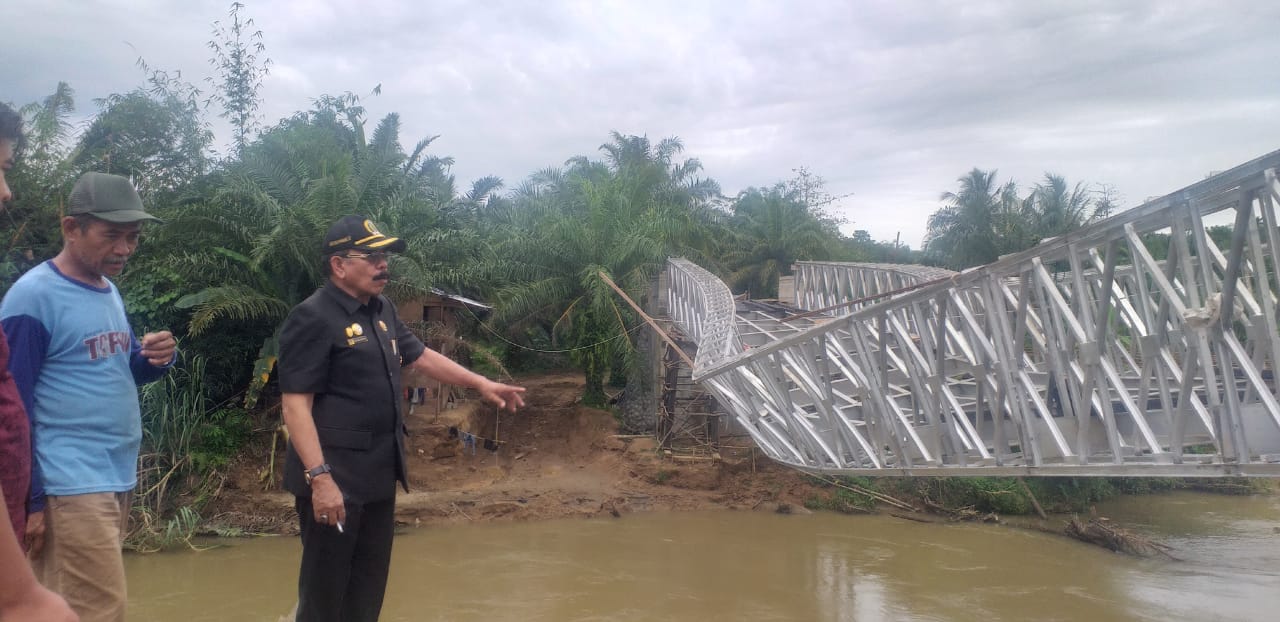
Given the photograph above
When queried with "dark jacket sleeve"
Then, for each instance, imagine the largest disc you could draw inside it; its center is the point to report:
(304, 352)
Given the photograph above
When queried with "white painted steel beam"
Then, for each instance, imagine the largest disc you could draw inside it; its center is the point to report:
(1134, 346)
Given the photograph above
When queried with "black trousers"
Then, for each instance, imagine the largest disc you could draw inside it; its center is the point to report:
(344, 575)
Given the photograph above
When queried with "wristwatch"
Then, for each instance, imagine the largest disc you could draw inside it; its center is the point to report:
(316, 472)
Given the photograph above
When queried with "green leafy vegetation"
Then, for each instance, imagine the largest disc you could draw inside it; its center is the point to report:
(239, 248)
(978, 496)
(985, 220)
(184, 442)
(843, 501)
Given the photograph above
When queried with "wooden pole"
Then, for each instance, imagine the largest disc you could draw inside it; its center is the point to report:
(661, 333)
(1034, 503)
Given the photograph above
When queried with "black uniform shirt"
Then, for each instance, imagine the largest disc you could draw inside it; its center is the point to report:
(349, 355)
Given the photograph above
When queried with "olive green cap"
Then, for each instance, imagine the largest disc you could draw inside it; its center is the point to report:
(109, 197)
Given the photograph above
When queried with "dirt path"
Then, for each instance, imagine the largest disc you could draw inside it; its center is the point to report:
(554, 459)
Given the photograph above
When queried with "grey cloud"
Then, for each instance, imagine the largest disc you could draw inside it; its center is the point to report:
(891, 101)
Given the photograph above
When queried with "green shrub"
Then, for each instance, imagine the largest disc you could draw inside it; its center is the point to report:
(841, 500)
(221, 435)
(486, 360)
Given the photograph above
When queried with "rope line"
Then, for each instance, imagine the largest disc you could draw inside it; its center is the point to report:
(531, 349)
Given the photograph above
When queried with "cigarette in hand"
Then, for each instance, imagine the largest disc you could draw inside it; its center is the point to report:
(340, 528)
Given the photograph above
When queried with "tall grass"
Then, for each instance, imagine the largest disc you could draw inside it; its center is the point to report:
(185, 439)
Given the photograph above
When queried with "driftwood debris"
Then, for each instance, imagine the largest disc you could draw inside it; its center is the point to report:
(916, 518)
(965, 514)
(1102, 532)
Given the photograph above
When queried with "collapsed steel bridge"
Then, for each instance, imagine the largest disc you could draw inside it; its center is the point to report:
(1134, 346)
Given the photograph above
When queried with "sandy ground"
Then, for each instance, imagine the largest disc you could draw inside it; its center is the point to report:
(553, 459)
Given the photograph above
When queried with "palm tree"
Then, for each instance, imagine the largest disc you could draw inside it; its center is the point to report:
(963, 233)
(984, 221)
(1059, 210)
(960, 232)
(564, 228)
(261, 229)
(1014, 223)
(655, 168)
(771, 230)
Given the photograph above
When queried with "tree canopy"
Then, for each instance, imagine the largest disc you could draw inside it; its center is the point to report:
(983, 220)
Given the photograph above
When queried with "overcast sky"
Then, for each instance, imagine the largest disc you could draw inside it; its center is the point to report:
(889, 101)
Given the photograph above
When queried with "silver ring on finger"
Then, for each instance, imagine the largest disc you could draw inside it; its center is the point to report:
(324, 518)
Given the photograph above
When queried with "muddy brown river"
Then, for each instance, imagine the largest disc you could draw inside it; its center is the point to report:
(755, 567)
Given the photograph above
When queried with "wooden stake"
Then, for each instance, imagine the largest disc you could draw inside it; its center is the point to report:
(1035, 504)
(661, 333)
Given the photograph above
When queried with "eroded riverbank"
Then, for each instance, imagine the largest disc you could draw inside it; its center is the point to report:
(558, 459)
(555, 459)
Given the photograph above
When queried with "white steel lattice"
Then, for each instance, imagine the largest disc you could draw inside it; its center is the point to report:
(1135, 346)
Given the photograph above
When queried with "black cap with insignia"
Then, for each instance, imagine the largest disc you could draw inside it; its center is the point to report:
(358, 232)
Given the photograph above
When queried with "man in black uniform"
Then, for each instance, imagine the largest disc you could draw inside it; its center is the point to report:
(341, 352)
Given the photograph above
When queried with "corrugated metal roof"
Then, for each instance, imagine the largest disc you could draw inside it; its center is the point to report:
(463, 299)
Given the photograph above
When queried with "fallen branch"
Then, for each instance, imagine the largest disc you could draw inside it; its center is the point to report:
(918, 519)
(879, 496)
(1034, 503)
(1102, 532)
(459, 510)
(695, 458)
(967, 513)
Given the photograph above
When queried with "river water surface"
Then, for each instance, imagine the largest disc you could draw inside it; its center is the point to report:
(755, 567)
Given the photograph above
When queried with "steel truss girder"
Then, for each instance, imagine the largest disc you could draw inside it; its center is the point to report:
(1134, 346)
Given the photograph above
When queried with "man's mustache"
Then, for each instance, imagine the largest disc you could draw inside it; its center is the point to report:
(382, 276)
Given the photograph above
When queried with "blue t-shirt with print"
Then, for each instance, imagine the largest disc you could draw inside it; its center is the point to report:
(77, 365)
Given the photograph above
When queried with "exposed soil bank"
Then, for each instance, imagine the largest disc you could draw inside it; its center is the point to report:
(553, 459)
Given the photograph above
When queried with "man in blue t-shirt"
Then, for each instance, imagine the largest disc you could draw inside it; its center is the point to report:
(77, 365)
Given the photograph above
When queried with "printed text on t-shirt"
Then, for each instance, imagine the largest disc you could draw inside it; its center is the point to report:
(107, 344)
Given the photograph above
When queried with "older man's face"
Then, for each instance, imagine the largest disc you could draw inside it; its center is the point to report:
(363, 274)
(102, 248)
